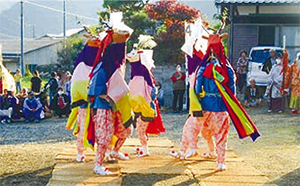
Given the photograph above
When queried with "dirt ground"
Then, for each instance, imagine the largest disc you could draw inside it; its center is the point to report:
(276, 153)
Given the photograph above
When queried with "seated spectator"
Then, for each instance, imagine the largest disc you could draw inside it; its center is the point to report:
(32, 107)
(61, 103)
(253, 95)
(5, 108)
(14, 102)
(42, 97)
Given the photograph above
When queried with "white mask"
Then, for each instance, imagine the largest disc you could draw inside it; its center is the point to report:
(178, 69)
(278, 61)
(60, 92)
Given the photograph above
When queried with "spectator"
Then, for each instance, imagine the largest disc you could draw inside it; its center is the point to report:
(160, 94)
(61, 103)
(274, 87)
(36, 82)
(14, 102)
(52, 85)
(68, 84)
(5, 108)
(253, 95)
(242, 65)
(32, 107)
(18, 79)
(42, 97)
(178, 79)
(270, 62)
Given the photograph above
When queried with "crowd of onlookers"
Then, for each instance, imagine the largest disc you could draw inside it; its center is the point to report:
(39, 102)
(283, 85)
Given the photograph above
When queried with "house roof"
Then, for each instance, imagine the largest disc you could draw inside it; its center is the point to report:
(270, 2)
(14, 46)
(69, 33)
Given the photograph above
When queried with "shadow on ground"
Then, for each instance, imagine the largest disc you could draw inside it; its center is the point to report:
(151, 179)
(37, 178)
(290, 179)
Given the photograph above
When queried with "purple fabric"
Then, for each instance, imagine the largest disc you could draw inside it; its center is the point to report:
(87, 55)
(193, 63)
(137, 69)
(113, 58)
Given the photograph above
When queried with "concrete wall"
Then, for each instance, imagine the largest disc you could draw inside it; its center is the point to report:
(42, 56)
(245, 37)
(162, 75)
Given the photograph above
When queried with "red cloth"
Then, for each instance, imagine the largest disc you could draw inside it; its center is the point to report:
(1, 86)
(174, 79)
(61, 102)
(104, 43)
(156, 127)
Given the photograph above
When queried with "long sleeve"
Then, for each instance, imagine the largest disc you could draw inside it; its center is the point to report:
(199, 80)
(25, 105)
(231, 80)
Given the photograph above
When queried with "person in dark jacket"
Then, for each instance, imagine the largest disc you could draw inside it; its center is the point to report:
(61, 103)
(36, 82)
(253, 95)
(52, 85)
(178, 79)
(270, 62)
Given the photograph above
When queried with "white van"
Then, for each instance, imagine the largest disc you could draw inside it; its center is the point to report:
(257, 58)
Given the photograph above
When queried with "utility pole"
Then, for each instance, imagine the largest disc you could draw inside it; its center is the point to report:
(22, 39)
(64, 18)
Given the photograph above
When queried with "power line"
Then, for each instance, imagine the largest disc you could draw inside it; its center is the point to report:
(60, 11)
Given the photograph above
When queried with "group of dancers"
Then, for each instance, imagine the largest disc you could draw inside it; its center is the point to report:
(105, 107)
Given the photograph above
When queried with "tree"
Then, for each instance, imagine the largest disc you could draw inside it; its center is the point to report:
(170, 37)
(68, 53)
(134, 15)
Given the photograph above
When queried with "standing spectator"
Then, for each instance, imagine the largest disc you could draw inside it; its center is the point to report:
(18, 79)
(32, 107)
(270, 62)
(36, 82)
(5, 108)
(67, 85)
(292, 80)
(178, 79)
(274, 87)
(253, 95)
(52, 85)
(61, 103)
(242, 65)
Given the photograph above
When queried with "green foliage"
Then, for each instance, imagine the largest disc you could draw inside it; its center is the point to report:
(134, 16)
(68, 53)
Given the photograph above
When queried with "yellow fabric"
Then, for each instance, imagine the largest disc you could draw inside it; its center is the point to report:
(113, 142)
(194, 102)
(72, 119)
(79, 90)
(244, 120)
(18, 77)
(86, 143)
(139, 105)
(123, 105)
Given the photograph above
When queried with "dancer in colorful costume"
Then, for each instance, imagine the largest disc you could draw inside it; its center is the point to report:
(292, 81)
(215, 90)
(109, 93)
(79, 118)
(142, 92)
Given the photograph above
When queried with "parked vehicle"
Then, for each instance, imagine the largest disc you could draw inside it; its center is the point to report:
(257, 58)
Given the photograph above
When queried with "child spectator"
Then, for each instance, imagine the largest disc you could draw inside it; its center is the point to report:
(18, 79)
